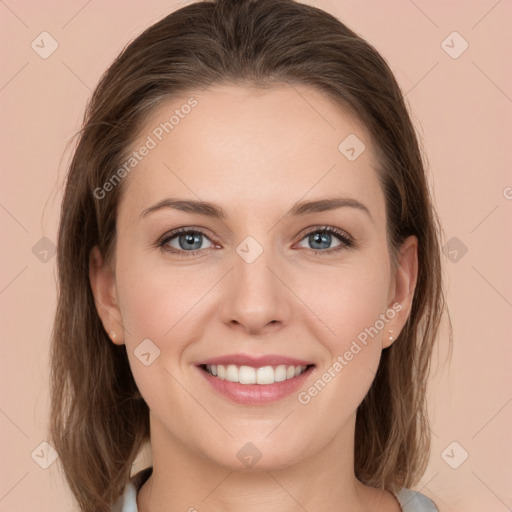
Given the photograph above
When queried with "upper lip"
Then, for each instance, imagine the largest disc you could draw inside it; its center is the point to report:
(255, 361)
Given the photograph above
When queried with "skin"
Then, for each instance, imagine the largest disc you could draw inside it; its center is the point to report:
(255, 153)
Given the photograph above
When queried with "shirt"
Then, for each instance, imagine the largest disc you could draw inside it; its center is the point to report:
(410, 501)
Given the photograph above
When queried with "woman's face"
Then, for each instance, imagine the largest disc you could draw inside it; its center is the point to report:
(262, 280)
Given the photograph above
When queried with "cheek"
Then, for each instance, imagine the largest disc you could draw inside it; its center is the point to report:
(159, 308)
(352, 346)
(350, 302)
(157, 300)
(162, 310)
(347, 300)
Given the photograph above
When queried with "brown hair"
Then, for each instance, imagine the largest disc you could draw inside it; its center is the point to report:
(98, 420)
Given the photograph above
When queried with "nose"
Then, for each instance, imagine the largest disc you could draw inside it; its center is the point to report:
(255, 300)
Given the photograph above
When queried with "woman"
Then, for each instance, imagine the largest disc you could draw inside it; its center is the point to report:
(249, 273)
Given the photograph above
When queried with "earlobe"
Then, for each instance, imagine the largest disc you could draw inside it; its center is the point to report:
(103, 286)
(404, 282)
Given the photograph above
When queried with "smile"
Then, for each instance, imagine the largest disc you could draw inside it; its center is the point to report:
(249, 375)
(256, 386)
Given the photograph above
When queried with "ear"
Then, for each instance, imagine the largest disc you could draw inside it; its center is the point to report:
(402, 288)
(103, 285)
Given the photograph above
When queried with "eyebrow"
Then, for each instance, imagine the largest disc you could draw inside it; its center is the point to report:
(211, 210)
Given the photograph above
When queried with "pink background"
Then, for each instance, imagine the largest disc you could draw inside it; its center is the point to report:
(462, 108)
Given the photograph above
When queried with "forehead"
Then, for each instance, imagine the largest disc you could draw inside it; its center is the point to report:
(242, 146)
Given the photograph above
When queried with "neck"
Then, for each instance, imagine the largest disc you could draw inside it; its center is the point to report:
(183, 479)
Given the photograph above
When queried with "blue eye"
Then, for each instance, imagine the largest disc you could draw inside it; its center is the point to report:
(319, 238)
(188, 242)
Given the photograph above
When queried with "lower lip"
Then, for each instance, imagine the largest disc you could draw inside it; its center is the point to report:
(256, 394)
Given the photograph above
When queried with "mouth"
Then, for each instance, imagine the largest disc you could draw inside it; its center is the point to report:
(255, 380)
(249, 375)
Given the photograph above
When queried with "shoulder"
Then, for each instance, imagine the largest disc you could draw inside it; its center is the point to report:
(128, 501)
(410, 501)
(413, 501)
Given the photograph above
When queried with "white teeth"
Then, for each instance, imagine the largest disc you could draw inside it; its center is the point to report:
(265, 375)
(250, 375)
(246, 375)
(232, 373)
(280, 373)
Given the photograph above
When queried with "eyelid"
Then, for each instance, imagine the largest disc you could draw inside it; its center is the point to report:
(162, 241)
(326, 228)
(346, 240)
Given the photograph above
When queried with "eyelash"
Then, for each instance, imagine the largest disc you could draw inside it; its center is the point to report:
(347, 242)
